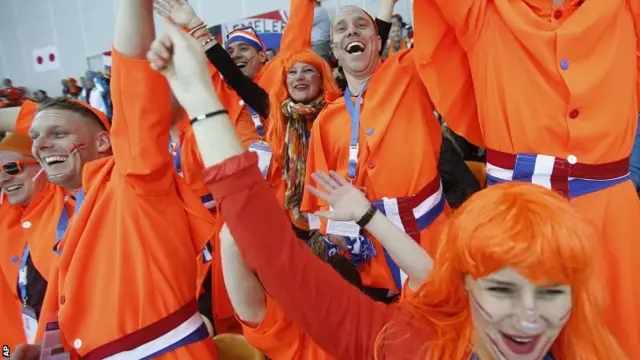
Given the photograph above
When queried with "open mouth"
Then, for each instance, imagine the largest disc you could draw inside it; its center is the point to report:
(355, 47)
(241, 64)
(13, 188)
(301, 87)
(521, 345)
(51, 161)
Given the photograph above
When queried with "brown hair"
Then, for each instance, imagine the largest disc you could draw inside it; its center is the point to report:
(62, 103)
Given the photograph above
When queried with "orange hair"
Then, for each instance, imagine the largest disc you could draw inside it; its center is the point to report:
(534, 231)
(277, 122)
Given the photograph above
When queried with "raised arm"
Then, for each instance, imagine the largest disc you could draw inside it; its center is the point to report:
(443, 66)
(182, 13)
(350, 204)
(297, 33)
(323, 304)
(8, 118)
(245, 291)
(141, 101)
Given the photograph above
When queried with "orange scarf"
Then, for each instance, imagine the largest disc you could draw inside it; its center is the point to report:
(403, 46)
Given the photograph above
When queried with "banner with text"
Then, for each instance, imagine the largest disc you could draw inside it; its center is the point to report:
(269, 27)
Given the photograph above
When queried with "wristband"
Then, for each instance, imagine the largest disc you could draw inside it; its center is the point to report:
(366, 218)
(208, 115)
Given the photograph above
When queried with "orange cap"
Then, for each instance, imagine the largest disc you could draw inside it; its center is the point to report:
(102, 116)
(16, 143)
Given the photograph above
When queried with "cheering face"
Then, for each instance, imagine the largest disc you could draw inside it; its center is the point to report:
(304, 83)
(248, 59)
(515, 318)
(355, 43)
(63, 141)
(395, 34)
(17, 174)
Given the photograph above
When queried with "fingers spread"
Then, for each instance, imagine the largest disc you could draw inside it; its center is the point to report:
(161, 8)
(318, 193)
(339, 179)
(325, 181)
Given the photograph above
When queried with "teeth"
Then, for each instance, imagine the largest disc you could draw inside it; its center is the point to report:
(50, 160)
(13, 187)
(521, 340)
(355, 43)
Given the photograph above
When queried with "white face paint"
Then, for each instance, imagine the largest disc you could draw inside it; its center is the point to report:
(514, 318)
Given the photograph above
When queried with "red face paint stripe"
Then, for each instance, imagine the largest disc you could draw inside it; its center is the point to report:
(482, 310)
(566, 316)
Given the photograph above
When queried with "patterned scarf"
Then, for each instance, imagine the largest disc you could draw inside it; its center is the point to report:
(296, 145)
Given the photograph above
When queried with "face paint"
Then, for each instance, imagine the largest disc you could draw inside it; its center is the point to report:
(514, 318)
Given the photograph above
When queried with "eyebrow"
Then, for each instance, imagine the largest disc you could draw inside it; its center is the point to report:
(498, 282)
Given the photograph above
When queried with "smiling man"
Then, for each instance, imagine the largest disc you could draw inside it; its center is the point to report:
(123, 202)
(26, 245)
(383, 125)
(68, 134)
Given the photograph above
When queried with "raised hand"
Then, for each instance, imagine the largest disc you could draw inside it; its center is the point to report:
(348, 203)
(180, 59)
(178, 11)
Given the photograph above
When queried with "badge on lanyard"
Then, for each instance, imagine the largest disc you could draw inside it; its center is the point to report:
(264, 156)
(260, 147)
(29, 323)
(29, 319)
(343, 228)
(51, 347)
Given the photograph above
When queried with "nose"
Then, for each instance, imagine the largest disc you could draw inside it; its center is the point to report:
(528, 312)
(40, 144)
(353, 31)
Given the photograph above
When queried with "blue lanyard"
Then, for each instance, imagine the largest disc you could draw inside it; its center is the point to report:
(63, 221)
(177, 156)
(256, 122)
(22, 276)
(354, 113)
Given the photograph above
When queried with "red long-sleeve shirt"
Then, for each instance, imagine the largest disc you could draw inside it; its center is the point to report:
(335, 314)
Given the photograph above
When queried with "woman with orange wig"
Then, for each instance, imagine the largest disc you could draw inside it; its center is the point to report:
(515, 276)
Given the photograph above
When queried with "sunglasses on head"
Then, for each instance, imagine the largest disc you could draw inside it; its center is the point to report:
(16, 167)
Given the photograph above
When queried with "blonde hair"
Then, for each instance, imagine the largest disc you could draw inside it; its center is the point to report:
(534, 231)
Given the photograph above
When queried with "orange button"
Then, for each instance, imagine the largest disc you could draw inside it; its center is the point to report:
(557, 14)
(574, 113)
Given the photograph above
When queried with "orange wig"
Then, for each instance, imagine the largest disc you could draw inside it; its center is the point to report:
(534, 231)
(277, 122)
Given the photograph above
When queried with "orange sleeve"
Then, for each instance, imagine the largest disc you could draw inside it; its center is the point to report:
(444, 68)
(466, 16)
(141, 122)
(297, 34)
(634, 6)
(276, 336)
(25, 117)
(245, 129)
